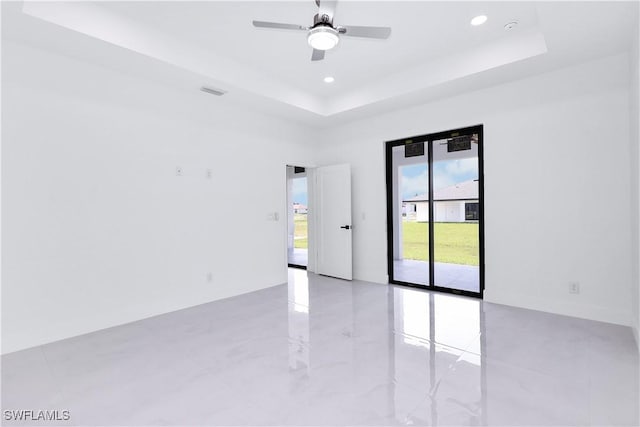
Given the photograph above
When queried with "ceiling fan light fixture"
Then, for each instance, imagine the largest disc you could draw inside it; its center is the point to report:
(329, 79)
(323, 37)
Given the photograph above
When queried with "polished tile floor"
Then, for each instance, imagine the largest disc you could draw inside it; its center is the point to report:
(320, 351)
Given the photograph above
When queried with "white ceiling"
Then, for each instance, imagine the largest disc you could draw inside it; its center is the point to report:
(432, 51)
(421, 31)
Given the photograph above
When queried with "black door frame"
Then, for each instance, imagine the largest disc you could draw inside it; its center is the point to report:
(428, 139)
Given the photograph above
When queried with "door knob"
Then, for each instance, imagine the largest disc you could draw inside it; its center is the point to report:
(346, 227)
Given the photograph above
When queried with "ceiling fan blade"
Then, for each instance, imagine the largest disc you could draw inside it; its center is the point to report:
(368, 32)
(317, 55)
(279, 26)
(327, 7)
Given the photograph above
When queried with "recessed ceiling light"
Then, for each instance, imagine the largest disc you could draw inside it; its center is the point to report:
(329, 79)
(479, 20)
(510, 25)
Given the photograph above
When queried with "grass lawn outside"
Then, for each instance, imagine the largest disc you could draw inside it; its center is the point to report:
(300, 240)
(455, 242)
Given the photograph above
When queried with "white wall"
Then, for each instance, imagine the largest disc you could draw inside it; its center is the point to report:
(99, 231)
(422, 212)
(449, 212)
(557, 186)
(635, 177)
(97, 228)
(443, 212)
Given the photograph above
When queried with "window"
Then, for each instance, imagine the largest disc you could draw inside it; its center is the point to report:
(471, 211)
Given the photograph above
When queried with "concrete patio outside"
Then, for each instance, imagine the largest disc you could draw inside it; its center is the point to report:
(452, 276)
(297, 256)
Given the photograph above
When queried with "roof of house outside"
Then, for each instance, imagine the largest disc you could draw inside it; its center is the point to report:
(467, 190)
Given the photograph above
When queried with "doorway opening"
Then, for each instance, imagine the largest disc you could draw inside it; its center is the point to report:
(435, 209)
(297, 217)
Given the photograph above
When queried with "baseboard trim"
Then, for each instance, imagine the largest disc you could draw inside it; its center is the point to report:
(583, 311)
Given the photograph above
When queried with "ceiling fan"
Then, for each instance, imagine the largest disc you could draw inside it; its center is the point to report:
(323, 35)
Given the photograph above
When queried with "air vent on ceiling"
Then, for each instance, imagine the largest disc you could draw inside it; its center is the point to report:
(213, 91)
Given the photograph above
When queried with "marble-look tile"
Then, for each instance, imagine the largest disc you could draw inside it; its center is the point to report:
(517, 396)
(28, 383)
(321, 351)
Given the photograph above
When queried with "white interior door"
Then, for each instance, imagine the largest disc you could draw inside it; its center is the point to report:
(334, 221)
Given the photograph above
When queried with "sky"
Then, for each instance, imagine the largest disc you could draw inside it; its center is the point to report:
(445, 174)
(300, 190)
(414, 178)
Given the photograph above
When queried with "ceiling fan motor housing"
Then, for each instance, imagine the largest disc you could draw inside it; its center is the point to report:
(322, 20)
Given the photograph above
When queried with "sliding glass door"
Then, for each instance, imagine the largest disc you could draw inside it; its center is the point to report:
(410, 218)
(434, 210)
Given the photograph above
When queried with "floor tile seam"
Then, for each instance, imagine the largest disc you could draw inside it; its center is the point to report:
(590, 408)
(436, 342)
(449, 371)
(591, 351)
(139, 375)
(466, 346)
(529, 370)
(130, 382)
(53, 375)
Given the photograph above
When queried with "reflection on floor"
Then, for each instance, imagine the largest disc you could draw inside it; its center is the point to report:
(297, 256)
(452, 276)
(323, 351)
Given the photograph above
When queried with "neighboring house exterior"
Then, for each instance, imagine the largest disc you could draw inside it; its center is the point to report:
(299, 209)
(457, 203)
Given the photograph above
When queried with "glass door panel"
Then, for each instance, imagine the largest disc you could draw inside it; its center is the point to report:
(410, 213)
(297, 200)
(456, 213)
